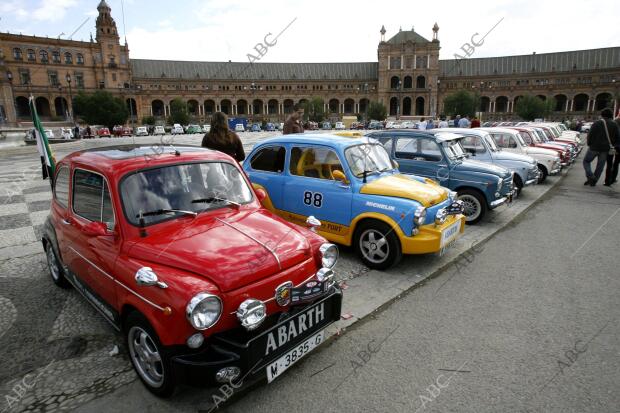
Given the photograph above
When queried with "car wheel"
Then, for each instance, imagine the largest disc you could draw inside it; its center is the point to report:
(377, 245)
(55, 267)
(543, 173)
(518, 184)
(475, 205)
(148, 356)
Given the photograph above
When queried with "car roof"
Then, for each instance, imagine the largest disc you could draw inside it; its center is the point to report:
(469, 131)
(317, 138)
(502, 129)
(120, 159)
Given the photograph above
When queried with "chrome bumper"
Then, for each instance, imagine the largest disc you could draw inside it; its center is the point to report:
(501, 201)
(531, 182)
(555, 171)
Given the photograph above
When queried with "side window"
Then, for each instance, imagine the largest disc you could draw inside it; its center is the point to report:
(429, 150)
(500, 140)
(314, 162)
(407, 148)
(526, 137)
(61, 187)
(91, 197)
(512, 143)
(473, 144)
(269, 159)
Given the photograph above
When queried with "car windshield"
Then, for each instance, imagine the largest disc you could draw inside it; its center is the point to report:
(193, 188)
(454, 149)
(519, 138)
(371, 158)
(491, 143)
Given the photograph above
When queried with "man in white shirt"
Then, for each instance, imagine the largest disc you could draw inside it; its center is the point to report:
(443, 123)
(464, 122)
(422, 124)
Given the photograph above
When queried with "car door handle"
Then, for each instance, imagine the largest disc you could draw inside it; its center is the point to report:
(66, 221)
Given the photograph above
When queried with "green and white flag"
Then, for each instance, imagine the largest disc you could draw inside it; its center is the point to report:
(48, 163)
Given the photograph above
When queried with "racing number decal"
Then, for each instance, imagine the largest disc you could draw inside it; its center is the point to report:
(313, 198)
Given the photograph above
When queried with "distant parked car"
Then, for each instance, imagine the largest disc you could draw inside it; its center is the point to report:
(340, 126)
(206, 128)
(255, 128)
(270, 127)
(239, 127)
(177, 129)
(193, 129)
(375, 124)
(49, 133)
(66, 133)
(142, 131)
(103, 133)
(326, 125)
(159, 130)
(408, 125)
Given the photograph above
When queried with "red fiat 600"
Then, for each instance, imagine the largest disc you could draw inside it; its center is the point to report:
(172, 246)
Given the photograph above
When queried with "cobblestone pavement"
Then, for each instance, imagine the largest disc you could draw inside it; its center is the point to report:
(46, 332)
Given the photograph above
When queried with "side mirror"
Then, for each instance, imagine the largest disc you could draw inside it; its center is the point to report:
(395, 164)
(313, 223)
(340, 176)
(261, 194)
(95, 228)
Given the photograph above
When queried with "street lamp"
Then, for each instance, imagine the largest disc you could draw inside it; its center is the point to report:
(68, 78)
(398, 102)
(9, 75)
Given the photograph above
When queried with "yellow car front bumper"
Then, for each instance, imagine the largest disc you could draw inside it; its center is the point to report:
(429, 239)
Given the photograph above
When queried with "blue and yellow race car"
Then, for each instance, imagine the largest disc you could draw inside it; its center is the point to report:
(356, 191)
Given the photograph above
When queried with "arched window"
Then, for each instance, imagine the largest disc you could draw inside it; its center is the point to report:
(43, 56)
(17, 53)
(56, 57)
(80, 59)
(420, 82)
(68, 58)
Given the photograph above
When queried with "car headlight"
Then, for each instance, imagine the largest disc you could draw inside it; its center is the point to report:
(251, 313)
(441, 216)
(329, 255)
(500, 183)
(419, 216)
(453, 194)
(204, 310)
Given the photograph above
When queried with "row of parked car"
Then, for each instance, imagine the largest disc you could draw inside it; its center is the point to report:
(216, 271)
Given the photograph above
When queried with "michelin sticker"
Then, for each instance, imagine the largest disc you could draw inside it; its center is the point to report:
(380, 206)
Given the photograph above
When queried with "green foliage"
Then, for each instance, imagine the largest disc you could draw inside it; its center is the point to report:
(531, 107)
(101, 108)
(462, 103)
(313, 110)
(148, 120)
(178, 112)
(376, 111)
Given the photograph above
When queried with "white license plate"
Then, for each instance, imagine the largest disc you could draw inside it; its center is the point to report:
(449, 234)
(292, 356)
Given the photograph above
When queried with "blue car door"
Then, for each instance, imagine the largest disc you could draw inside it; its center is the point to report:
(421, 155)
(266, 168)
(311, 188)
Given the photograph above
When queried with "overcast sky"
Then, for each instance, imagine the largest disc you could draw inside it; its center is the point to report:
(322, 30)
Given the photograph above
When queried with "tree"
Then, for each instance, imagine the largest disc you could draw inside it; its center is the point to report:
(313, 110)
(101, 108)
(462, 103)
(376, 111)
(531, 107)
(148, 120)
(178, 112)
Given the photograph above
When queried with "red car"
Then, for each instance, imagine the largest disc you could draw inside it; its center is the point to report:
(120, 130)
(103, 133)
(532, 139)
(173, 247)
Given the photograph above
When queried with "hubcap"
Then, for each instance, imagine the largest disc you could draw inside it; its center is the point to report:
(374, 246)
(145, 356)
(471, 206)
(52, 264)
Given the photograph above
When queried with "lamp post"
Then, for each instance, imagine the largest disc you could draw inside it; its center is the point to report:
(70, 110)
(398, 102)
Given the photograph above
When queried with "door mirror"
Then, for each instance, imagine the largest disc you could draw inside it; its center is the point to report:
(261, 194)
(340, 176)
(396, 165)
(95, 228)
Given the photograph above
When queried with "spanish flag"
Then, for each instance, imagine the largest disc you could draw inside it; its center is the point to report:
(48, 163)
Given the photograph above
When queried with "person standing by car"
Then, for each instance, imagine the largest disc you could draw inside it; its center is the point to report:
(613, 161)
(475, 123)
(464, 122)
(221, 138)
(602, 137)
(293, 122)
(443, 123)
(422, 124)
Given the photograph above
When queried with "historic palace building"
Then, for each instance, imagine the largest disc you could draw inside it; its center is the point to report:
(408, 78)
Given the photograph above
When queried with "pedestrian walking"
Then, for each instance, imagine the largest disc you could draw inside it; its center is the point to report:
(430, 124)
(443, 123)
(422, 124)
(602, 137)
(475, 123)
(464, 122)
(221, 138)
(293, 122)
(613, 159)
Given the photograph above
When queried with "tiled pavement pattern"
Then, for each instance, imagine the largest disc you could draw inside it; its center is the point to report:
(54, 346)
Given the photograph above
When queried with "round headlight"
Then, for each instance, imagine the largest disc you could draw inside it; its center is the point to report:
(203, 311)
(251, 313)
(329, 253)
(441, 216)
(419, 216)
(500, 183)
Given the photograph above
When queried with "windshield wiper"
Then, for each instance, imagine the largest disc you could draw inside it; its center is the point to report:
(165, 211)
(214, 199)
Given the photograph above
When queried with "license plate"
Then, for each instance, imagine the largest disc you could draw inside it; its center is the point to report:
(292, 356)
(450, 233)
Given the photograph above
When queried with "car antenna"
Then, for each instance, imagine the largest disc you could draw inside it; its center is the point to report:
(142, 225)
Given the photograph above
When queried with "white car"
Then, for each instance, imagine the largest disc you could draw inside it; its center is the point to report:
(159, 130)
(66, 133)
(206, 128)
(515, 141)
(339, 126)
(408, 125)
(239, 127)
(49, 133)
(177, 129)
(142, 131)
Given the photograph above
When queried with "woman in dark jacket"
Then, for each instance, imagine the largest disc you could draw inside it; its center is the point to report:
(221, 138)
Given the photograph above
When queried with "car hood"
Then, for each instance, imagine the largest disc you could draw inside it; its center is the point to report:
(231, 251)
(532, 150)
(510, 156)
(403, 186)
(479, 166)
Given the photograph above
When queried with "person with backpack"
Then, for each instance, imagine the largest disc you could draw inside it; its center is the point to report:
(602, 139)
(613, 159)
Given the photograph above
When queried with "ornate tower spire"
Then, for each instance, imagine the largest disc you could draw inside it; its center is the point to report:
(382, 33)
(106, 26)
(435, 32)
